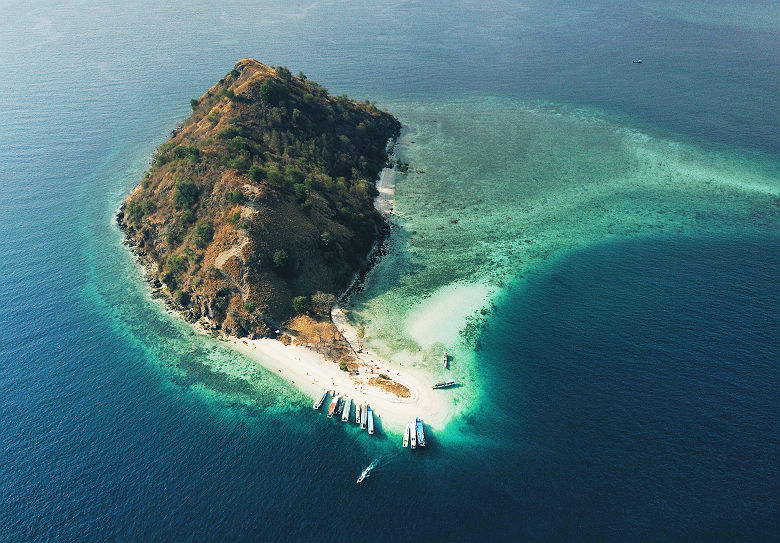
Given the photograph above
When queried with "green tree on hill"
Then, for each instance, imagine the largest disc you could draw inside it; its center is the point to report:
(272, 91)
(185, 194)
(256, 173)
(204, 233)
(176, 264)
(284, 73)
(235, 196)
(300, 305)
(281, 261)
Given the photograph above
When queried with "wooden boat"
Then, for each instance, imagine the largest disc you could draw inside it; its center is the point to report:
(420, 432)
(333, 403)
(345, 413)
(318, 403)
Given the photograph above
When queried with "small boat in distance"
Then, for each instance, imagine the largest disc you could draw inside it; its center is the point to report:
(370, 421)
(318, 403)
(363, 416)
(406, 436)
(420, 433)
(446, 360)
(333, 403)
(357, 413)
(637, 61)
(366, 471)
(345, 415)
(444, 384)
(412, 426)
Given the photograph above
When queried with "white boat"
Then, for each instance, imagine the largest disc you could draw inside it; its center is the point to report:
(333, 403)
(406, 436)
(420, 433)
(345, 413)
(370, 421)
(318, 403)
(444, 384)
(363, 417)
(412, 434)
(446, 359)
(365, 473)
(357, 413)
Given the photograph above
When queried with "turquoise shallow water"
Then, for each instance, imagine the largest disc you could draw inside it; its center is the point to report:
(500, 186)
(616, 223)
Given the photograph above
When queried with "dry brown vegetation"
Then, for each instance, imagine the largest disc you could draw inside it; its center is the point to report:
(323, 337)
(385, 383)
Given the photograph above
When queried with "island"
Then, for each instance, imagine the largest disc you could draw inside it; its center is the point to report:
(257, 216)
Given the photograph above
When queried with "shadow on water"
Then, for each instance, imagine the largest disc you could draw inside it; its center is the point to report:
(455, 386)
(379, 433)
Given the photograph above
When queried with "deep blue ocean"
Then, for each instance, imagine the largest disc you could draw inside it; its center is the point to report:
(629, 386)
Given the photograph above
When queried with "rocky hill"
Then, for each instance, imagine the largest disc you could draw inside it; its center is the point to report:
(261, 205)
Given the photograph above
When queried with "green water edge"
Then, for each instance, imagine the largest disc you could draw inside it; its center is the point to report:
(497, 187)
(507, 185)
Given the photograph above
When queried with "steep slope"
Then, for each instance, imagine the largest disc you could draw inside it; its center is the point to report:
(262, 203)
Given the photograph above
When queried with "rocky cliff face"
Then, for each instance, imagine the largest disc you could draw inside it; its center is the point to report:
(262, 204)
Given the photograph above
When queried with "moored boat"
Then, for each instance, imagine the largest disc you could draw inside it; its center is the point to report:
(444, 384)
(446, 360)
(318, 403)
(363, 417)
(370, 421)
(420, 433)
(339, 407)
(347, 405)
(412, 434)
(357, 412)
(333, 403)
(406, 436)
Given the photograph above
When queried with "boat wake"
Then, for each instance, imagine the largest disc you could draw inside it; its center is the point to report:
(367, 470)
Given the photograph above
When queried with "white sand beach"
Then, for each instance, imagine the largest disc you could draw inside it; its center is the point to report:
(312, 373)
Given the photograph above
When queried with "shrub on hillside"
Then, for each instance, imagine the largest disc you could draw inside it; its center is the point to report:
(185, 194)
(235, 196)
(204, 233)
(281, 261)
(300, 305)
